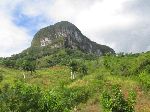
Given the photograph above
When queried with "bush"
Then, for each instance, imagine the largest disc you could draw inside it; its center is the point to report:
(25, 98)
(114, 101)
(1, 77)
(145, 80)
(144, 65)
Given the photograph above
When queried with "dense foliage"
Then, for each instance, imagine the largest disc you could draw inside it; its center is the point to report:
(101, 83)
(56, 57)
(130, 65)
(51, 89)
(22, 97)
(127, 64)
(114, 101)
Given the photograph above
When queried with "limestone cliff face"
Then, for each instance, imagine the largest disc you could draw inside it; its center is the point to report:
(66, 35)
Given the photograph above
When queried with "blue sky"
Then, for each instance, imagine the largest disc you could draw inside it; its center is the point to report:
(27, 22)
(32, 23)
(121, 24)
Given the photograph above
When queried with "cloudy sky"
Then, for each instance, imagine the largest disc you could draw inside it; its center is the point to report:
(123, 25)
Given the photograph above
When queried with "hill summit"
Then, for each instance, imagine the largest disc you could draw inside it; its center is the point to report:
(66, 35)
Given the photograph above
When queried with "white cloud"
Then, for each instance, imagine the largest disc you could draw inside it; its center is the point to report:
(111, 22)
(12, 38)
(95, 17)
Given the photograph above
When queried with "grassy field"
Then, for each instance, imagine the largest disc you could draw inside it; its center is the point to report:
(45, 78)
(96, 81)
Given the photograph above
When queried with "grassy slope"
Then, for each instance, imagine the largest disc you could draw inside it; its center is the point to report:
(127, 84)
(97, 79)
(46, 78)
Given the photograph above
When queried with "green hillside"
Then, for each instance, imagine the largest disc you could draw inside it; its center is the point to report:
(111, 83)
(64, 71)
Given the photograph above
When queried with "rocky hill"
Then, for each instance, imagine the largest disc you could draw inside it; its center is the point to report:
(66, 35)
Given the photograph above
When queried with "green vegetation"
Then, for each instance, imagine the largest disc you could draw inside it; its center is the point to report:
(23, 98)
(111, 83)
(1, 77)
(144, 78)
(114, 101)
(28, 65)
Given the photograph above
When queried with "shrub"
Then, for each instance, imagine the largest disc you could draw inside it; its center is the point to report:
(145, 80)
(24, 98)
(114, 101)
(1, 77)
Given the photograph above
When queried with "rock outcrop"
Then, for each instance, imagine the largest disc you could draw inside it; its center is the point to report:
(66, 35)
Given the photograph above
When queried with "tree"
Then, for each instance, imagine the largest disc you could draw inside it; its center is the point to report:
(28, 65)
(79, 67)
(83, 69)
(8, 62)
(74, 68)
(19, 63)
